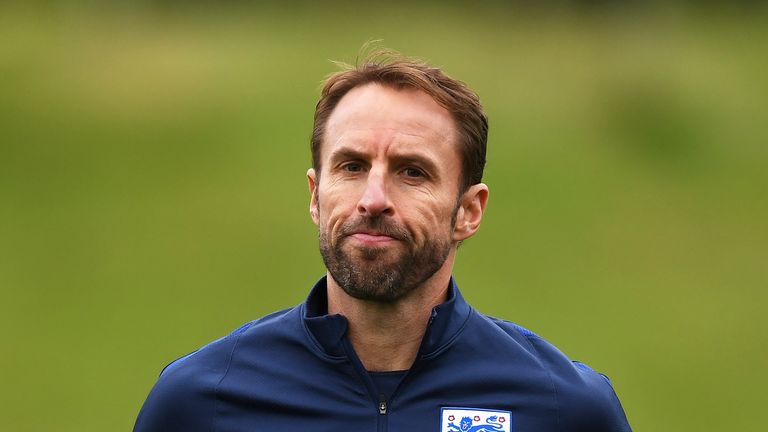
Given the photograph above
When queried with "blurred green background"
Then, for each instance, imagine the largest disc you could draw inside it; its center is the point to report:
(153, 193)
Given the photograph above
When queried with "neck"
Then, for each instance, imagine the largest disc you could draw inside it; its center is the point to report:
(387, 336)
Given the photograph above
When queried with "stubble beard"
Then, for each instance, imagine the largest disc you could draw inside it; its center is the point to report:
(372, 273)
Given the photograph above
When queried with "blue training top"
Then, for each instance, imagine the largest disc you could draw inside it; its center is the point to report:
(295, 370)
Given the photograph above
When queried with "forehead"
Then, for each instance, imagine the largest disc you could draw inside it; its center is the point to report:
(406, 117)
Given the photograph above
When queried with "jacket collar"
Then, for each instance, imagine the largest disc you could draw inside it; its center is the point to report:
(329, 331)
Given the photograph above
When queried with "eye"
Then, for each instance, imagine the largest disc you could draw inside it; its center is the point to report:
(413, 172)
(352, 167)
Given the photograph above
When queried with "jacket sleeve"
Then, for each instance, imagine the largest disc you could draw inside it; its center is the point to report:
(184, 396)
(586, 399)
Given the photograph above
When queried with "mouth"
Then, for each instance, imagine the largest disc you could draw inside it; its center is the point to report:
(372, 234)
(372, 238)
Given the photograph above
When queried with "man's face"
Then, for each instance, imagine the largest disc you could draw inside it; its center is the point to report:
(386, 199)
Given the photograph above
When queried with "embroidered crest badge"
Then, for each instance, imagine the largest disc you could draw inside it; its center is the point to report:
(454, 419)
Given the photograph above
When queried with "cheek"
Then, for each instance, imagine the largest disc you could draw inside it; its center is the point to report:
(428, 224)
(331, 214)
(326, 219)
(333, 196)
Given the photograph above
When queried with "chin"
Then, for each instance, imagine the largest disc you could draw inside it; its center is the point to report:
(366, 254)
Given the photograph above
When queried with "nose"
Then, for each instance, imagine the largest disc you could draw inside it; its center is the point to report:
(375, 201)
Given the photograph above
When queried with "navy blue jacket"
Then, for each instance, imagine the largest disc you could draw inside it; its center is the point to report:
(295, 370)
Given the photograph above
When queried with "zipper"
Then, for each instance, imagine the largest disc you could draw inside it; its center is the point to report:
(382, 404)
(380, 400)
(382, 420)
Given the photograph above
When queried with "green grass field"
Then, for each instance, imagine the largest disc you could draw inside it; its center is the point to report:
(153, 193)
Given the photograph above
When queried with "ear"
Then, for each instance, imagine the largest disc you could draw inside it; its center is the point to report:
(312, 181)
(470, 213)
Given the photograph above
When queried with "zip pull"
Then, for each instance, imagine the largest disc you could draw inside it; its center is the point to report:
(382, 404)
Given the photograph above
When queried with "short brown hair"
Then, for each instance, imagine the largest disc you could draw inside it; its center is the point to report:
(392, 69)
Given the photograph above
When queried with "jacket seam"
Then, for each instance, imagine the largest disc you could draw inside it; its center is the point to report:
(218, 384)
(551, 381)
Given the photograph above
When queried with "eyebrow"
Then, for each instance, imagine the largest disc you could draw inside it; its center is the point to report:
(347, 153)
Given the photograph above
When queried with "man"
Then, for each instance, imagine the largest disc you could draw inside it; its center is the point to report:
(385, 340)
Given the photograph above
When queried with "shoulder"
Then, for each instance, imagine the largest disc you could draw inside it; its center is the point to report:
(584, 397)
(183, 397)
(220, 350)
